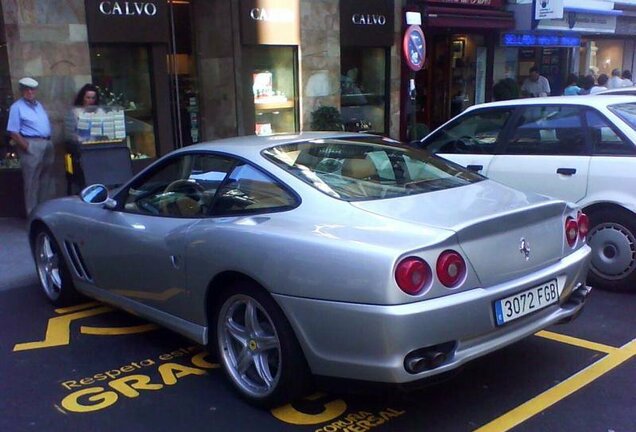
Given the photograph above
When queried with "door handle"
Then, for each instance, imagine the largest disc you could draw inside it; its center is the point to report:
(475, 167)
(566, 171)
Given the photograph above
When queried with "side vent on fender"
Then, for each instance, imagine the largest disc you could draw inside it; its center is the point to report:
(79, 266)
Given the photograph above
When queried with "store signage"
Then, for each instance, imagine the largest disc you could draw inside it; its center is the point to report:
(414, 48)
(540, 40)
(578, 22)
(471, 3)
(272, 15)
(127, 21)
(127, 8)
(270, 22)
(548, 9)
(368, 23)
(368, 19)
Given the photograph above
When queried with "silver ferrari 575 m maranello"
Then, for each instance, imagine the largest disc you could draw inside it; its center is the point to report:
(332, 254)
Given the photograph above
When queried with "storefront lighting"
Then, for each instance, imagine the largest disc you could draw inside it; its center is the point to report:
(544, 40)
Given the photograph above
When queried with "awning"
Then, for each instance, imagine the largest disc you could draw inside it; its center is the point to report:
(468, 18)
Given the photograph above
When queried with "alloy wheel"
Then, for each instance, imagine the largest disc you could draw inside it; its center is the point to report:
(249, 345)
(47, 262)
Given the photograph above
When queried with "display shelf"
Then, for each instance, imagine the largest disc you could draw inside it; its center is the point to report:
(273, 105)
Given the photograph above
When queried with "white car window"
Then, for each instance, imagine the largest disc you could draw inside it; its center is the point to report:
(605, 137)
(474, 132)
(548, 130)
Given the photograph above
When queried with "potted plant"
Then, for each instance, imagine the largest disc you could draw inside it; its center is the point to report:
(326, 118)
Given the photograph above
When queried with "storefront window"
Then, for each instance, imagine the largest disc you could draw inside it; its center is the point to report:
(122, 74)
(601, 56)
(363, 89)
(270, 76)
(183, 76)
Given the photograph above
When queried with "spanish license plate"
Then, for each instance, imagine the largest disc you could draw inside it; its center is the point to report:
(515, 306)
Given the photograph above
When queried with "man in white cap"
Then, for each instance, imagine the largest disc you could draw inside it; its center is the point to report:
(30, 129)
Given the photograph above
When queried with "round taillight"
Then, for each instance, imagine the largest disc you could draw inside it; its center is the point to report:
(571, 231)
(451, 268)
(412, 274)
(584, 225)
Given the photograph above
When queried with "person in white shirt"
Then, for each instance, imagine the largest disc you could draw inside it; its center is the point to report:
(535, 85)
(615, 81)
(601, 84)
(627, 79)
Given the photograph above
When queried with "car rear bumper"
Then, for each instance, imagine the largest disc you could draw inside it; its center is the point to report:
(371, 342)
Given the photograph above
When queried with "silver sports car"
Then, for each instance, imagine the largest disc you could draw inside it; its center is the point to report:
(333, 254)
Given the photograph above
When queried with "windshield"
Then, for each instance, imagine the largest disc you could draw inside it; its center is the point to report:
(627, 112)
(367, 168)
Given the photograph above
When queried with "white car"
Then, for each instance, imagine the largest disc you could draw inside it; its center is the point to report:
(629, 91)
(581, 149)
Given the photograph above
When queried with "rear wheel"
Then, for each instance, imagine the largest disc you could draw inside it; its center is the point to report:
(258, 348)
(53, 273)
(612, 237)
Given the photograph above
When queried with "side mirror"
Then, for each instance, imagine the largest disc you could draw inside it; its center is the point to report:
(97, 194)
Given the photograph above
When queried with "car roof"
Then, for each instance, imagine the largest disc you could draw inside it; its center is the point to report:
(255, 143)
(620, 90)
(589, 100)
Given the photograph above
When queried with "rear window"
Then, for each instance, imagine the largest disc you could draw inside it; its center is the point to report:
(627, 112)
(367, 169)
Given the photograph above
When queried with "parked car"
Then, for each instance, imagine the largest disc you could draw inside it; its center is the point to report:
(335, 254)
(627, 91)
(581, 149)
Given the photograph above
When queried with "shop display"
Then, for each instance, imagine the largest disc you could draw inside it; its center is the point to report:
(97, 124)
(270, 104)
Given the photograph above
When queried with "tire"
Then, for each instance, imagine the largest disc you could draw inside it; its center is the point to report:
(55, 279)
(612, 237)
(258, 349)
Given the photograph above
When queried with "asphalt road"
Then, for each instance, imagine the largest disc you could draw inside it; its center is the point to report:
(94, 368)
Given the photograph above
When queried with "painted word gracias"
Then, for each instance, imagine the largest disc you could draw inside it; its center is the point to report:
(128, 8)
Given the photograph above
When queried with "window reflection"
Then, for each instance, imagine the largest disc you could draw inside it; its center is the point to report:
(122, 74)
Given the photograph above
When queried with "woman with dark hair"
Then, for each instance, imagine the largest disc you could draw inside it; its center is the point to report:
(627, 78)
(572, 88)
(87, 99)
(87, 95)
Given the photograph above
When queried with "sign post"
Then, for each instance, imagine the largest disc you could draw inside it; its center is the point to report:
(414, 51)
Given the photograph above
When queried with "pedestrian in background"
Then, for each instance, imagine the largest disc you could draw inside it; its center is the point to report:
(627, 79)
(601, 84)
(535, 85)
(30, 129)
(572, 88)
(615, 81)
(87, 96)
(587, 82)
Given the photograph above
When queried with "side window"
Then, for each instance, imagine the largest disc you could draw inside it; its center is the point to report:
(248, 190)
(475, 132)
(605, 138)
(183, 187)
(548, 130)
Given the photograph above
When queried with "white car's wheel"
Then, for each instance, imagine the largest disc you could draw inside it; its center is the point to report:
(612, 237)
(55, 279)
(257, 347)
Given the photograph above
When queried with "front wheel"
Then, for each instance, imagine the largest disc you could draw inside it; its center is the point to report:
(54, 276)
(612, 237)
(258, 348)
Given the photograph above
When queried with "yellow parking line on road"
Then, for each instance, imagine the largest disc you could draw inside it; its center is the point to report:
(576, 342)
(116, 331)
(76, 308)
(561, 391)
